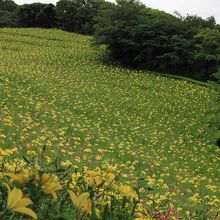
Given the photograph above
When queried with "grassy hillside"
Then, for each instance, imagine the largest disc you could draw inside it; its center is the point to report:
(56, 92)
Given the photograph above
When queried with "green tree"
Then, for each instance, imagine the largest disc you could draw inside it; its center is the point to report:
(65, 11)
(8, 5)
(78, 15)
(206, 53)
(194, 21)
(37, 15)
(8, 19)
(8, 13)
(140, 37)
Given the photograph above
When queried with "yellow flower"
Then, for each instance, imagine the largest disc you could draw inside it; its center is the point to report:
(20, 178)
(98, 180)
(80, 201)
(127, 191)
(66, 163)
(50, 184)
(37, 167)
(16, 203)
(98, 157)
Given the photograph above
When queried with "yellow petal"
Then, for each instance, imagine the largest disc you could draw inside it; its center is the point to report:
(26, 211)
(74, 198)
(13, 197)
(45, 178)
(54, 195)
(83, 199)
(9, 195)
(23, 202)
(52, 187)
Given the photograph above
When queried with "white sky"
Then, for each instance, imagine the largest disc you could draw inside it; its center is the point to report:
(204, 8)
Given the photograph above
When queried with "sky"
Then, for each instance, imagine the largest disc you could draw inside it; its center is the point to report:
(203, 8)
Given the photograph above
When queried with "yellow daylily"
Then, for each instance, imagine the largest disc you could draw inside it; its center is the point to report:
(20, 178)
(79, 201)
(126, 190)
(50, 184)
(17, 203)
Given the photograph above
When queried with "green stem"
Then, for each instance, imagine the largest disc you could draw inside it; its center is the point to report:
(58, 209)
(2, 213)
(12, 215)
(48, 208)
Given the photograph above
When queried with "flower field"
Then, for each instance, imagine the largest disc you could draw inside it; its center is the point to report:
(126, 133)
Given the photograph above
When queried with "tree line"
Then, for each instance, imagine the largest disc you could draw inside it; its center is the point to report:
(136, 36)
(70, 15)
(144, 38)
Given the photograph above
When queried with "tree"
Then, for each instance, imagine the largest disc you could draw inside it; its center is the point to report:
(140, 37)
(118, 26)
(8, 13)
(78, 15)
(86, 14)
(37, 15)
(194, 21)
(8, 5)
(8, 19)
(65, 14)
(206, 59)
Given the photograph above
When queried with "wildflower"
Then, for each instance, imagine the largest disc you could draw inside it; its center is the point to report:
(16, 203)
(98, 157)
(80, 201)
(50, 185)
(127, 191)
(98, 180)
(66, 163)
(20, 178)
(87, 150)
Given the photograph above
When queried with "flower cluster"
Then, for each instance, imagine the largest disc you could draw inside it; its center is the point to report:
(49, 190)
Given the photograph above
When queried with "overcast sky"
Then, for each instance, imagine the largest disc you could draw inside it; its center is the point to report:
(204, 8)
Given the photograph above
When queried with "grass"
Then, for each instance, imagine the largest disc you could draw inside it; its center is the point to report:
(56, 92)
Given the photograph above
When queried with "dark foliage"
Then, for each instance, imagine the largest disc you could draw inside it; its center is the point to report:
(8, 19)
(8, 5)
(37, 15)
(144, 38)
(8, 14)
(78, 15)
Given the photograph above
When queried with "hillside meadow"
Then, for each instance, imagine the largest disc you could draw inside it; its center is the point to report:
(57, 94)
